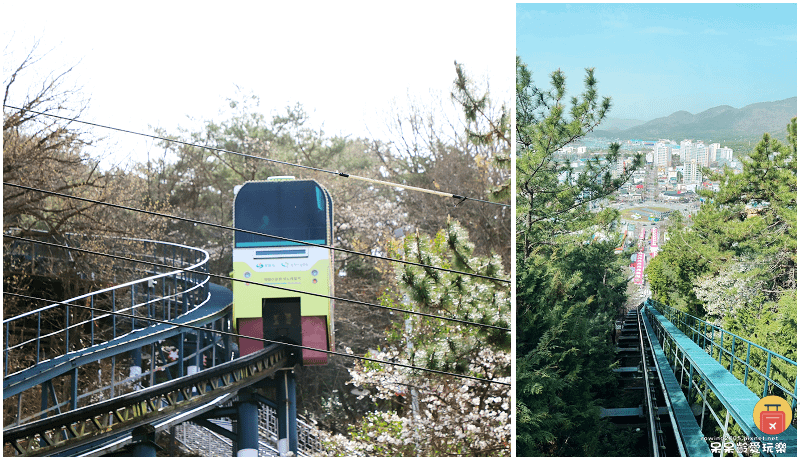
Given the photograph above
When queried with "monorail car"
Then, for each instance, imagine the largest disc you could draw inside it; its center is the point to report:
(290, 208)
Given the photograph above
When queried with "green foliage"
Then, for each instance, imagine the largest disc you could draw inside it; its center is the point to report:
(467, 154)
(566, 305)
(390, 441)
(436, 414)
(569, 286)
(444, 345)
(552, 196)
(485, 129)
(737, 264)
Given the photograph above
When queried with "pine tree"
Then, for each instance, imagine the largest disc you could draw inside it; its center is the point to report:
(436, 414)
(737, 264)
(485, 128)
(552, 197)
(569, 286)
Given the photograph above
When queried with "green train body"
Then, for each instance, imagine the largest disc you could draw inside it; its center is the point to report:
(299, 210)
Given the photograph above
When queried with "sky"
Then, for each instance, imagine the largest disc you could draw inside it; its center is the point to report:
(656, 59)
(174, 64)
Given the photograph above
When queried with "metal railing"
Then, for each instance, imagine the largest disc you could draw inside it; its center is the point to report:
(729, 429)
(69, 433)
(209, 444)
(39, 337)
(654, 429)
(760, 369)
(125, 354)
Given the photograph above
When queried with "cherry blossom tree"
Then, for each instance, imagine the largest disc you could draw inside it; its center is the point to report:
(436, 414)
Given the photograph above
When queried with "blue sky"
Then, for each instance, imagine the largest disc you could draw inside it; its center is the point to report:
(656, 59)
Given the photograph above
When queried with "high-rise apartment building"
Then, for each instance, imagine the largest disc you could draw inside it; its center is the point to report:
(712, 152)
(701, 154)
(662, 154)
(692, 173)
(686, 150)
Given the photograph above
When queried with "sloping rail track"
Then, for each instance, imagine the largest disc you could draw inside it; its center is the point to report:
(702, 365)
(143, 374)
(172, 402)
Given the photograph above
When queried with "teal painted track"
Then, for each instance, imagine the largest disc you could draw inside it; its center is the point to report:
(692, 437)
(737, 398)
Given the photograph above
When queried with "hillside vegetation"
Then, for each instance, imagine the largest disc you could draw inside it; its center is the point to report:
(719, 124)
(466, 153)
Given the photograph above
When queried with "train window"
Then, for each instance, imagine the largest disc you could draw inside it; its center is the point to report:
(320, 200)
(289, 209)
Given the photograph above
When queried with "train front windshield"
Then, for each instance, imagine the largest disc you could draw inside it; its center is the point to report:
(294, 209)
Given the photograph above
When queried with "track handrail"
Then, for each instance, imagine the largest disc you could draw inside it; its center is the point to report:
(725, 401)
(698, 330)
(651, 410)
(197, 259)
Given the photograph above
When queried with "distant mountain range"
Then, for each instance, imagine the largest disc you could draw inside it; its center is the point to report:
(619, 124)
(717, 124)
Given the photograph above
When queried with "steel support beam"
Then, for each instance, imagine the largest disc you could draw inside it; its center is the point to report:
(287, 413)
(143, 441)
(247, 425)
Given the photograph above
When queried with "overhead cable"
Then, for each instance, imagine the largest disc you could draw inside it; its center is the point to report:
(245, 155)
(198, 272)
(233, 334)
(224, 227)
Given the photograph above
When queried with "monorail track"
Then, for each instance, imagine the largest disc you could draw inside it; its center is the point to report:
(104, 423)
(640, 369)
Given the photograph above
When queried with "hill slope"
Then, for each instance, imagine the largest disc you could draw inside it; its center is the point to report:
(718, 123)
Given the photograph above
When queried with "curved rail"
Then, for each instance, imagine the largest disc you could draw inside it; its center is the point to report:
(143, 298)
(169, 400)
(197, 379)
(57, 347)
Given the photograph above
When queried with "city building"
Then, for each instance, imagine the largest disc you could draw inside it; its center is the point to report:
(662, 155)
(686, 150)
(692, 173)
(712, 152)
(701, 154)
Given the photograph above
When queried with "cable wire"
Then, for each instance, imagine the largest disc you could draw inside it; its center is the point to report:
(233, 334)
(216, 149)
(224, 227)
(358, 302)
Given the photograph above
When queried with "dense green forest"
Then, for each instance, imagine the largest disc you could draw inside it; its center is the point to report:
(464, 151)
(569, 287)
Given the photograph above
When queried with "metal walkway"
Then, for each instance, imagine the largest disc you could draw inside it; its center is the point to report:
(692, 375)
(107, 426)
